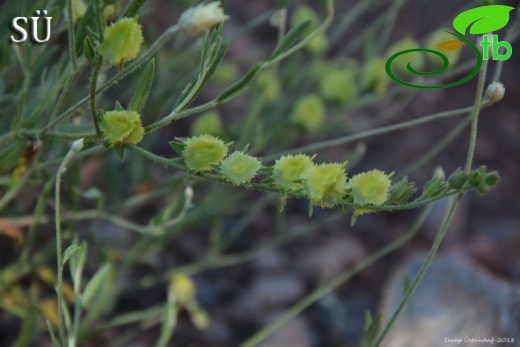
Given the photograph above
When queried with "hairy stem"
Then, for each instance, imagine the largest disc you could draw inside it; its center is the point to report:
(93, 84)
(450, 212)
(75, 148)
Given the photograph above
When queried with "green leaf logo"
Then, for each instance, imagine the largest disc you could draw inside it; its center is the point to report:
(483, 19)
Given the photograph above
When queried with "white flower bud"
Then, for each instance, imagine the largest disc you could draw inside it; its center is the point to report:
(77, 145)
(495, 92)
(438, 173)
(198, 19)
(188, 193)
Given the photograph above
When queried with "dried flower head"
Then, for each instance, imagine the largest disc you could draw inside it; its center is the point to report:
(200, 18)
(202, 152)
(122, 127)
(121, 41)
(287, 170)
(325, 184)
(240, 168)
(370, 188)
(309, 112)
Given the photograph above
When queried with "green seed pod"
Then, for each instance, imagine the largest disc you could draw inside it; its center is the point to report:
(240, 168)
(122, 127)
(287, 170)
(121, 41)
(339, 86)
(370, 188)
(416, 59)
(309, 113)
(401, 191)
(202, 152)
(269, 84)
(458, 179)
(325, 184)
(207, 123)
(375, 77)
(304, 13)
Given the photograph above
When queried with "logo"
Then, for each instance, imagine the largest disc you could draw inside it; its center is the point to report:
(479, 20)
(17, 27)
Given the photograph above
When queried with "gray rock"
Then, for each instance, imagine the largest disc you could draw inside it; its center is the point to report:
(292, 334)
(331, 257)
(456, 300)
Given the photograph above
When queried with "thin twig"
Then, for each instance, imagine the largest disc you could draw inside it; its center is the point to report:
(75, 148)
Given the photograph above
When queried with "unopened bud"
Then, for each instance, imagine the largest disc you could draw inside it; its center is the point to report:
(495, 92)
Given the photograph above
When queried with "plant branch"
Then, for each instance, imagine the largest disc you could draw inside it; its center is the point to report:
(383, 130)
(75, 148)
(450, 211)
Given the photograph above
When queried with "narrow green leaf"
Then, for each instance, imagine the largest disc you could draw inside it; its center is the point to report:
(54, 340)
(212, 40)
(69, 252)
(118, 106)
(133, 8)
(177, 146)
(120, 151)
(407, 282)
(368, 320)
(290, 38)
(240, 86)
(143, 88)
(169, 321)
(88, 20)
(483, 19)
(216, 60)
(99, 293)
(77, 263)
(186, 91)
(95, 284)
(90, 51)
(202, 77)
(371, 331)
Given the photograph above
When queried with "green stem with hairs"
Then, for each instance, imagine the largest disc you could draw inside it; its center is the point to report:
(140, 61)
(93, 105)
(450, 212)
(383, 130)
(75, 148)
